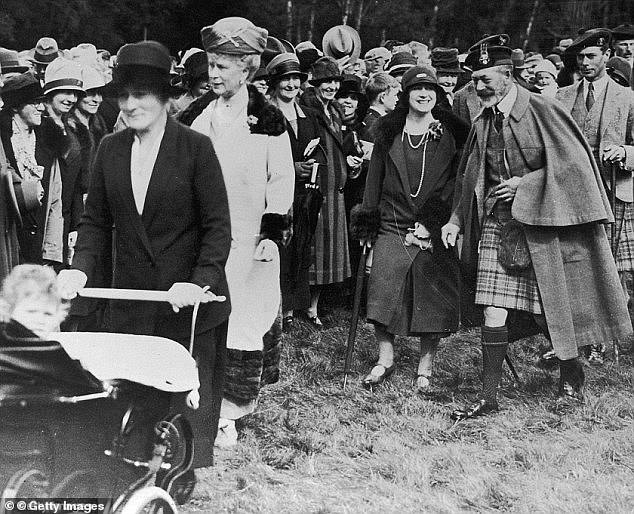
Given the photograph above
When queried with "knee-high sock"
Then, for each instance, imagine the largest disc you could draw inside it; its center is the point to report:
(494, 345)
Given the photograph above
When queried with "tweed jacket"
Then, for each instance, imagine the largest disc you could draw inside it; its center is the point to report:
(466, 104)
(616, 127)
(561, 202)
(182, 235)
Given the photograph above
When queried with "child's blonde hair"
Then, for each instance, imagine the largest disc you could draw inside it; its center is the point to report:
(28, 281)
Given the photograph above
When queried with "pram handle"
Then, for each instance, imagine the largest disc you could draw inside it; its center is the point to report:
(144, 295)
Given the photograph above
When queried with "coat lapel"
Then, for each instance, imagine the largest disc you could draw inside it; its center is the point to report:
(124, 181)
(165, 165)
(397, 154)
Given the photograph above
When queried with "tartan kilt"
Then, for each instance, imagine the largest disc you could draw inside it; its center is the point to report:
(624, 236)
(498, 287)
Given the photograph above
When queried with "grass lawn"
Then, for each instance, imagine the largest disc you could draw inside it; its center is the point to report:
(312, 447)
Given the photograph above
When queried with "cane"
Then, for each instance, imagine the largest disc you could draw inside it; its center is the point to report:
(615, 244)
(354, 320)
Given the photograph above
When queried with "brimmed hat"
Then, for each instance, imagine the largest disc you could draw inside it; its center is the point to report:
(619, 70)
(624, 31)
(342, 41)
(445, 60)
(350, 85)
(85, 54)
(148, 61)
(307, 53)
(400, 63)
(489, 52)
(20, 89)
(9, 62)
(46, 51)
(555, 59)
(260, 74)
(594, 37)
(93, 79)
(62, 74)
(545, 66)
(517, 58)
(379, 51)
(196, 66)
(532, 60)
(235, 36)
(283, 65)
(274, 46)
(418, 75)
(324, 69)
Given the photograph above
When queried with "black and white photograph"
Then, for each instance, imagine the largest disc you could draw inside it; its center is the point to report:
(321, 257)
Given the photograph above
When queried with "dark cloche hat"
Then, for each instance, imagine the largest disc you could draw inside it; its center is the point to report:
(283, 65)
(418, 75)
(196, 66)
(145, 53)
(400, 63)
(445, 60)
(594, 37)
(623, 31)
(489, 52)
(20, 89)
(325, 69)
(350, 85)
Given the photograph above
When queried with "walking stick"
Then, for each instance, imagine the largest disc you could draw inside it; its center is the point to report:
(615, 244)
(354, 320)
(512, 369)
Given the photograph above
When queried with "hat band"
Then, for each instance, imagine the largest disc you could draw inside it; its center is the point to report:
(61, 83)
(45, 57)
(9, 64)
(285, 69)
(244, 41)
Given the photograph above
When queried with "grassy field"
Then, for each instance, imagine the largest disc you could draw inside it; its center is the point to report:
(313, 447)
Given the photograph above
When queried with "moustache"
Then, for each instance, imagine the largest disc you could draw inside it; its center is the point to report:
(485, 94)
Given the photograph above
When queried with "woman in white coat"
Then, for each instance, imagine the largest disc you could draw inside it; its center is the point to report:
(252, 145)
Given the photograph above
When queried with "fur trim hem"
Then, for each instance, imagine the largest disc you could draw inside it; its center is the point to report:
(275, 227)
(365, 223)
(243, 370)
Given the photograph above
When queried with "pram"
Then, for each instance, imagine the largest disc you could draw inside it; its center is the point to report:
(86, 415)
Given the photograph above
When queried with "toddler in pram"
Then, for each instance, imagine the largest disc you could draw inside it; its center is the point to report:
(87, 415)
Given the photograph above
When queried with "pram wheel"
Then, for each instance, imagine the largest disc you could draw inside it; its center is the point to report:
(180, 480)
(151, 500)
(183, 487)
(25, 483)
(81, 483)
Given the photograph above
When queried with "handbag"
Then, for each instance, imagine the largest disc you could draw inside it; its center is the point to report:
(513, 254)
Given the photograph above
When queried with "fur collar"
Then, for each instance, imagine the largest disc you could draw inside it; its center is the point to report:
(309, 99)
(270, 120)
(391, 125)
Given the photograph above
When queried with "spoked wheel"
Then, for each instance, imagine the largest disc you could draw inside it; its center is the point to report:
(81, 483)
(149, 500)
(26, 483)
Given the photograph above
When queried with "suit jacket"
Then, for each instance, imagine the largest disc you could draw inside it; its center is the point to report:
(183, 234)
(616, 127)
(560, 200)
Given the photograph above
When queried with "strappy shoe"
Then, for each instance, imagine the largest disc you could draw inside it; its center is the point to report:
(373, 379)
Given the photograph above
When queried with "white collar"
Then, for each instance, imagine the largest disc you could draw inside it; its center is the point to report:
(598, 85)
(506, 104)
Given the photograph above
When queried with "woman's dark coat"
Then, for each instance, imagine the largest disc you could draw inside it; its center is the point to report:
(183, 234)
(388, 211)
(50, 144)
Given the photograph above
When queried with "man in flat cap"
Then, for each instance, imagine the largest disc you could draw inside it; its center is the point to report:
(530, 202)
(604, 111)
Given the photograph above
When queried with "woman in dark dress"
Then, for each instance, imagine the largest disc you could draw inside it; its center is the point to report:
(413, 286)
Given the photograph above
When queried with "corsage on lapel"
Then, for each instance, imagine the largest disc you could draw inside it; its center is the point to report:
(434, 133)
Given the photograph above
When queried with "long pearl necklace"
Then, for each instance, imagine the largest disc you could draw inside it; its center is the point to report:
(423, 141)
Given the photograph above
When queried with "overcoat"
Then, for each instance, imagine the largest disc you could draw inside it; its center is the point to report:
(434, 305)
(9, 218)
(562, 204)
(183, 234)
(616, 127)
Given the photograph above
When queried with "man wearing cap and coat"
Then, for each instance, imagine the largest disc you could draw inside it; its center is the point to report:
(604, 112)
(527, 175)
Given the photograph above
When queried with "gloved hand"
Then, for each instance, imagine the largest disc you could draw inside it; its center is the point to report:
(69, 281)
(265, 251)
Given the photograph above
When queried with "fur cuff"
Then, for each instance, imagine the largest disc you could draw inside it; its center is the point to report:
(276, 227)
(365, 224)
(434, 214)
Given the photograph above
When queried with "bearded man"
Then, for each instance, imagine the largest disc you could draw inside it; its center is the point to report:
(530, 202)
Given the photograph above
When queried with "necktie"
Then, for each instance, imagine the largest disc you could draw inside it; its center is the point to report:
(498, 119)
(590, 97)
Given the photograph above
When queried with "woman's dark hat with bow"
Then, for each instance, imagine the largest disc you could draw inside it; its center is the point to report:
(20, 90)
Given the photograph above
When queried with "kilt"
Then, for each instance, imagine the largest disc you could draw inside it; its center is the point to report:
(624, 236)
(498, 287)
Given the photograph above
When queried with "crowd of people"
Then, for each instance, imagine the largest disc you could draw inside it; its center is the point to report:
(491, 186)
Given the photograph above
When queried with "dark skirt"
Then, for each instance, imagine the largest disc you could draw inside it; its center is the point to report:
(412, 291)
